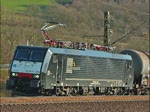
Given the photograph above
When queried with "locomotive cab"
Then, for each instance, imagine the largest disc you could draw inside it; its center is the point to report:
(25, 70)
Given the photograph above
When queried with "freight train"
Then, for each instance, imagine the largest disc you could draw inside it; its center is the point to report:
(62, 71)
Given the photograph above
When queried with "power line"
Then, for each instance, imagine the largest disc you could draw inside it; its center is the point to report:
(128, 33)
(126, 8)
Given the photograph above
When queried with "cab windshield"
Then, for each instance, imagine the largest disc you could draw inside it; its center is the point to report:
(30, 55)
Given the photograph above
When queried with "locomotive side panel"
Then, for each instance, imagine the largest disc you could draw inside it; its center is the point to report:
(105, 72)
(83, 70)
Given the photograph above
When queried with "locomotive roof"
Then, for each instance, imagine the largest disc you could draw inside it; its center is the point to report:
(92, 53)
(32, 47)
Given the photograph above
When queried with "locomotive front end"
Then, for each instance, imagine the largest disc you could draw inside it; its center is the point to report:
(25, 70)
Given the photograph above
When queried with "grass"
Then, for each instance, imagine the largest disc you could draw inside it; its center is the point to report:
(3, 79)
(16, 5)
(3, 75)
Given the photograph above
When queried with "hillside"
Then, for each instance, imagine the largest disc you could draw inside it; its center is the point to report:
(21, 20)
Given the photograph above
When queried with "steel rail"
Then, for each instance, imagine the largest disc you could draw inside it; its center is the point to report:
(56, 99)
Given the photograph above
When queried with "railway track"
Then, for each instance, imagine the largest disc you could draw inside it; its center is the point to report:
(54, 99)
(76, 104)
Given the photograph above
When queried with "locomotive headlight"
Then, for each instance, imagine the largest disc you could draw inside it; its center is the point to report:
(13, 74)
(36, 76)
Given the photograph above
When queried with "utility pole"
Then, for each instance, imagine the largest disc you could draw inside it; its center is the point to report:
(106, 28)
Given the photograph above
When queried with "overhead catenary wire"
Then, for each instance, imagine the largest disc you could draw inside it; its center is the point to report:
(128, 33)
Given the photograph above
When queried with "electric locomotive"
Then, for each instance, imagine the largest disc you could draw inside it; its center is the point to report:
(62, 71)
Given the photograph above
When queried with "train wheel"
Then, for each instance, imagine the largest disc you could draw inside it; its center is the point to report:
(67, 91)
(48, 92)
(81, 92)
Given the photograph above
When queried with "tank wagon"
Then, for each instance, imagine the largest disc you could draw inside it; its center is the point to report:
(141, 66)
(62, 71)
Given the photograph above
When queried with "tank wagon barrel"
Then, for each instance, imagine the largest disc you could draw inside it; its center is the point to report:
(141, 67)
(140, 61)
